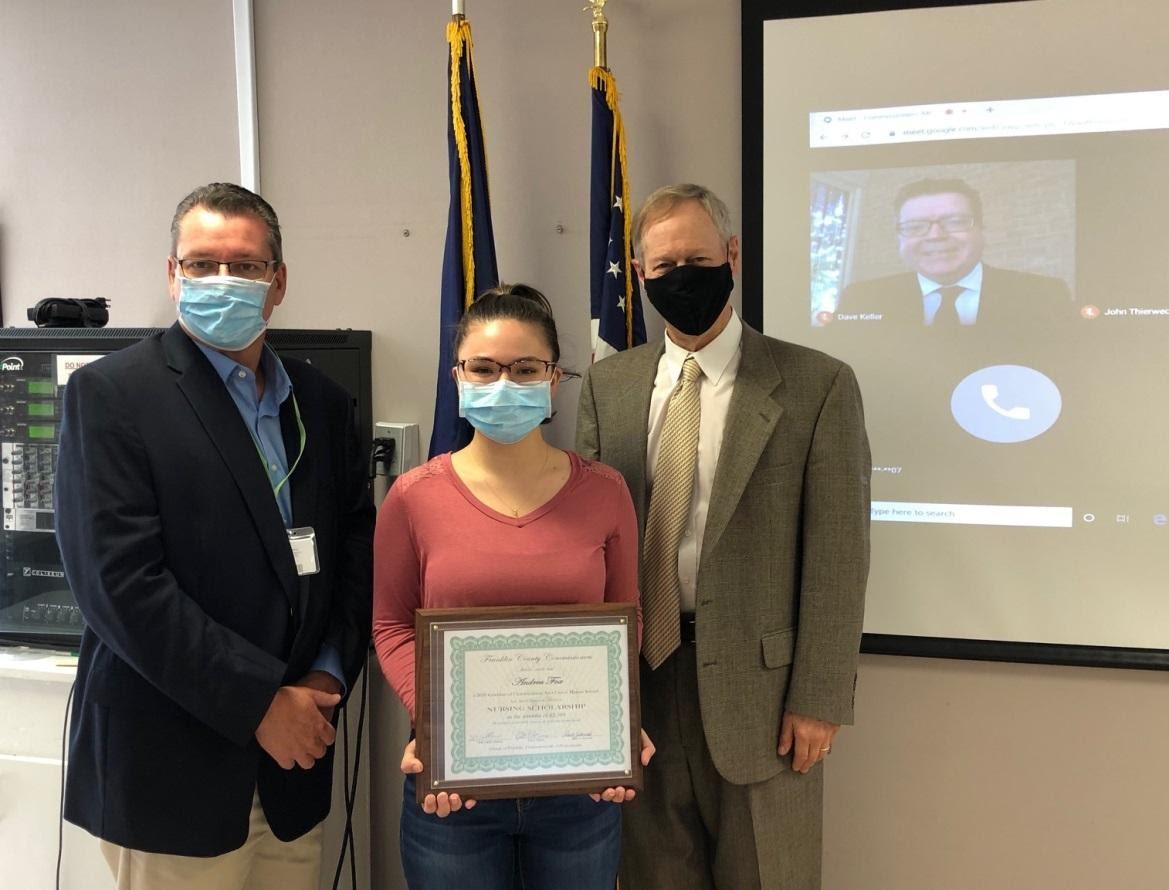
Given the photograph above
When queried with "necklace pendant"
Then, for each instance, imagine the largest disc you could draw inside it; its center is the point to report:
(515, 512)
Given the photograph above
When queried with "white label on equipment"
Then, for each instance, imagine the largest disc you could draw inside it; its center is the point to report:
(67, 364)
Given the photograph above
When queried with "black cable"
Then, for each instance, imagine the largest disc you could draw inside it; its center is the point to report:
(345, 792)
(361, 715)
(356, 763)
(381, 453)
(61, 808)
(347, 837)
(350, 788)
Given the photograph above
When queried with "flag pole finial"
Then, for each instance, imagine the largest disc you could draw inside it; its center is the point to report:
(457, 8)
(600, 27)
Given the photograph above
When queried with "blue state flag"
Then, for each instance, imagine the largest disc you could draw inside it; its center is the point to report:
(468, 262)
(615, 297)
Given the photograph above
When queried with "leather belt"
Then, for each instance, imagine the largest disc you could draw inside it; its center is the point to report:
(688, 627)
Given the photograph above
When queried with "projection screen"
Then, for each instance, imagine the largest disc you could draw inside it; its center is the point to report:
(970, 205)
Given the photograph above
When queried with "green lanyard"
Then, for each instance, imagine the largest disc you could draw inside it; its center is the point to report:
(303, 438)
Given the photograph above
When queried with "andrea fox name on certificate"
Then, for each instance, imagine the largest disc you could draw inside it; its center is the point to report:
(524, 701)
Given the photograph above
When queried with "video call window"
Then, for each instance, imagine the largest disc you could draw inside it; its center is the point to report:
(885, 242)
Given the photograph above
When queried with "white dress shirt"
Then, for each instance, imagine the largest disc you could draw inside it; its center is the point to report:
(966, 302)
(719, 361)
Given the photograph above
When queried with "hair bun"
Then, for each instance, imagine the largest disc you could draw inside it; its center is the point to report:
(517, 302)
(502, 292)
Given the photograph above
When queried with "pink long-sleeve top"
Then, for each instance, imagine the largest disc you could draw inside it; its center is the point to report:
(438, 546)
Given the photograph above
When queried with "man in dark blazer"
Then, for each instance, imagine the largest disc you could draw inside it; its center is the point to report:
(940, 240)
(215, 525)
(769, 568)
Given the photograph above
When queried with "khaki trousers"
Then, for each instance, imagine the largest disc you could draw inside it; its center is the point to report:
(690, 829)
(263, 863)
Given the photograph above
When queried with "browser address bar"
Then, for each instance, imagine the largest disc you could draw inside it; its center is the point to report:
(995, 119)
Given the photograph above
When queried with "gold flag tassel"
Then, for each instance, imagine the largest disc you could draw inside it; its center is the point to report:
(458, 35)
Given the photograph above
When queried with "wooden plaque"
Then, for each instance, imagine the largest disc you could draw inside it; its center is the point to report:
(527, 701)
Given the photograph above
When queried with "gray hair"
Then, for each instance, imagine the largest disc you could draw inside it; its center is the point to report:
(229, 199)
(663, 201)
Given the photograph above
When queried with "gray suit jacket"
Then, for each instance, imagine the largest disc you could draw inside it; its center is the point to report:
(785, 556)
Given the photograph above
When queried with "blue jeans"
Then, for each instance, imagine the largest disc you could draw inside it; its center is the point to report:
(534, 843)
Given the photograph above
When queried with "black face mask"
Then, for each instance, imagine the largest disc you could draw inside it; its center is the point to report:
(690, 297)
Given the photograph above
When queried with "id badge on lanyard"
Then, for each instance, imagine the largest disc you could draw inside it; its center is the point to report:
(303, 542)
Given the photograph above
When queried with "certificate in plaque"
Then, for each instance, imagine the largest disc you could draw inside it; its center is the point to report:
(525, 701)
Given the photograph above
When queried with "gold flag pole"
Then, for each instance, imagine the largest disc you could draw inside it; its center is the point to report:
(600, 27)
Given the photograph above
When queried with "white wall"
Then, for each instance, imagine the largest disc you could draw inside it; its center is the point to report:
(109, 113)
(958, 774)
(33, 690)
(353, 136)
(963, 775)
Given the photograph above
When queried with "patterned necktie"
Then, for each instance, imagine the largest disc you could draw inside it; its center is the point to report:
(669, 510)
(947, 314)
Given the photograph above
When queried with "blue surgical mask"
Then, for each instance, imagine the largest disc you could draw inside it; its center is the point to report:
(223, 311)
(503, 411)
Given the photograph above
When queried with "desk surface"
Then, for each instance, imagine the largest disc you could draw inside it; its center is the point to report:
(26, 663)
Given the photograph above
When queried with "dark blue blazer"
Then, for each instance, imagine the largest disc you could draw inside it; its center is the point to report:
(1009, 299)
(176, 551)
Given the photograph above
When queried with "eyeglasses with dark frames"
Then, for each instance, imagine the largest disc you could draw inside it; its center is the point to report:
(523, 370)
(201, 267)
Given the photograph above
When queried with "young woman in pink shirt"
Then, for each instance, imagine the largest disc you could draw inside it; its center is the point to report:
(507, 520)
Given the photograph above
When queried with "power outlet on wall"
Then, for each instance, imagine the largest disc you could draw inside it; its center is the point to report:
(406, 448)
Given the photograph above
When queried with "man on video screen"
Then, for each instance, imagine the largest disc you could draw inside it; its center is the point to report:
(940, 239)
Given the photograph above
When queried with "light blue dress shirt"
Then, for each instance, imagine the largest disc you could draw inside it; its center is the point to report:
(966, 302)
(262, 418)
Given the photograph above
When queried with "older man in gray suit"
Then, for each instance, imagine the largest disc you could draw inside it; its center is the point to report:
(749, 466)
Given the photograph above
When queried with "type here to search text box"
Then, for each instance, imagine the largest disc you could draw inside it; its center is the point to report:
(972, 514)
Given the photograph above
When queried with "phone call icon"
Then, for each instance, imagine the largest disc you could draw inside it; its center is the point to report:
(990, 395)
(1006, 403)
